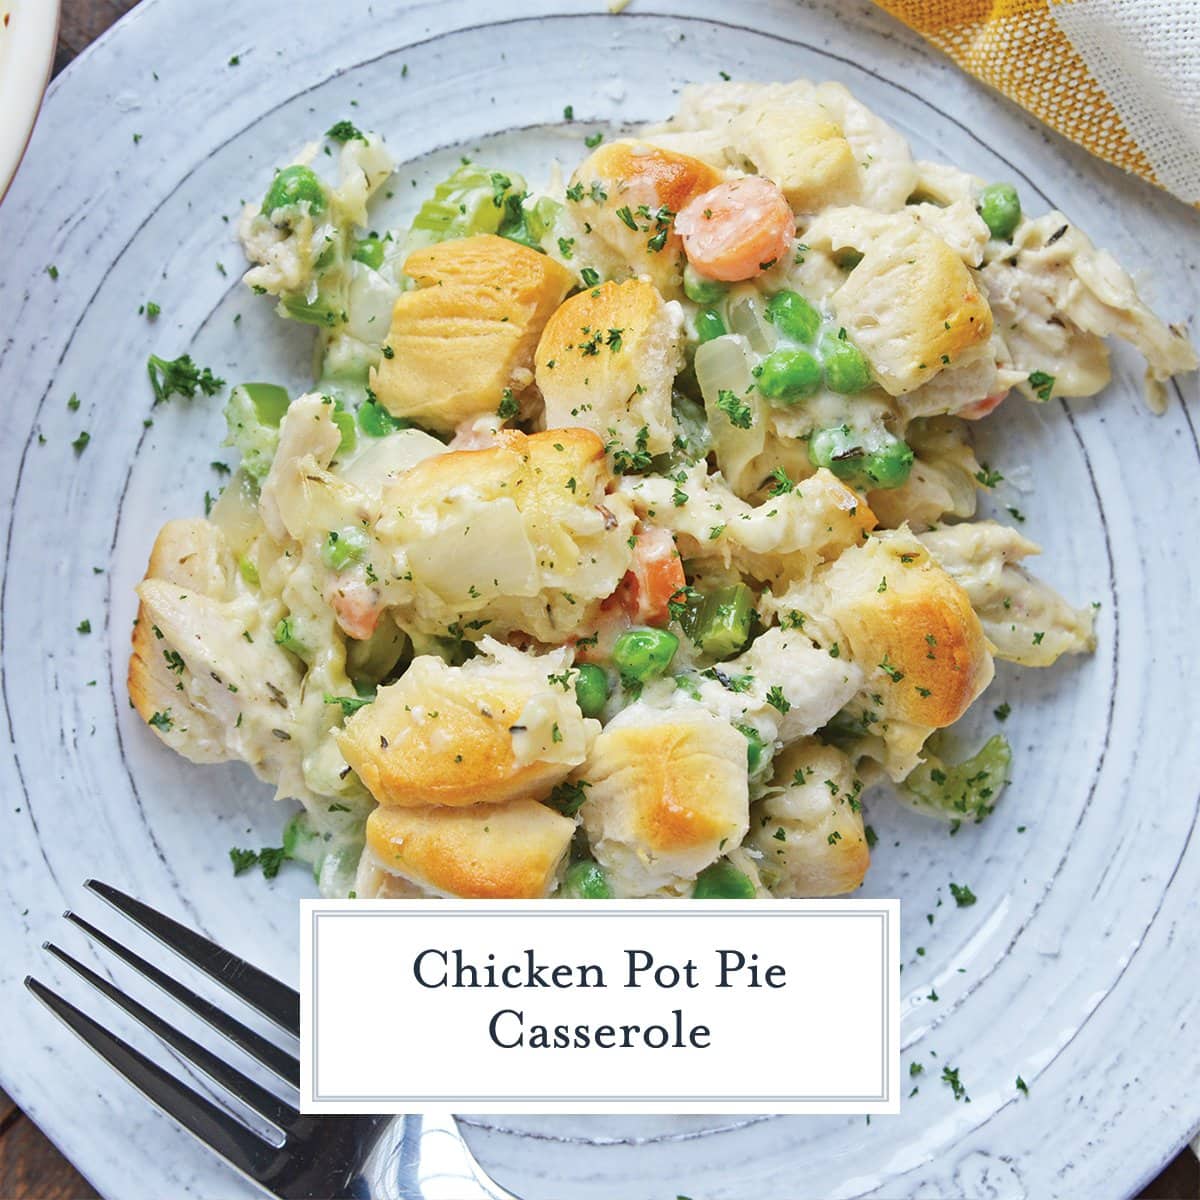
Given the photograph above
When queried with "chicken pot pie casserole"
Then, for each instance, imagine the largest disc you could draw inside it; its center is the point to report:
(627, 533)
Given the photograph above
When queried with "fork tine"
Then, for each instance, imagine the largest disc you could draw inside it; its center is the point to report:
(240, 1146)
(274, 1000)
(283, 1064)
(252, 1094)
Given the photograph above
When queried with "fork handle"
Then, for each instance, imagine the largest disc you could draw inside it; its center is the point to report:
(424, 1157)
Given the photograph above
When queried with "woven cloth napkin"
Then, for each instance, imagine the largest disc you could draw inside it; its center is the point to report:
(1120, 77)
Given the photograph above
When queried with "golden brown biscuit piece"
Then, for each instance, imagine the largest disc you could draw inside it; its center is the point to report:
(912, 307)
(906, 620)
(495, 729)
(622, 200)
(802, 149)
(521, 535)
(809, 828)
(668, 794)
(469, 330)
(510, 851)
(606, 362)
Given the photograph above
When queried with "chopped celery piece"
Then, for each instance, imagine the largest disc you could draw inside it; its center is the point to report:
(528, 224)
(369, 251)
(956, 792)
(252, 415)
(270, 401)
(722, 622)
(472, 200)
(315, 312)
(298, 836)
(285, 636)
(344, 420)
(375, 420)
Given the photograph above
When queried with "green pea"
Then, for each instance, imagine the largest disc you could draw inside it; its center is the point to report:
(846, 368)
(591, 689)
(709, 325)
(794, 317)
(369, 250)
(847, 260)
(642, 654)
(343, 547)
(889, 466)
(270, 401)
(722, 881)
(1000, 208)
(248, 571)
(756, 748)
(875, 460)
(789, 375)
(700, 289)
(375, 420)
(586, 880)
(293, 186)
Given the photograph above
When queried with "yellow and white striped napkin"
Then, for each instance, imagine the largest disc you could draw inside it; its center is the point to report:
(1120, 77)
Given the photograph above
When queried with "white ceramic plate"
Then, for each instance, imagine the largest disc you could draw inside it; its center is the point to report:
(28, 29)
(1075, 969)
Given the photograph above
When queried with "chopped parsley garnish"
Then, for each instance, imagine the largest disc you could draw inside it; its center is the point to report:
(950, 1077)
(783, 483)
(269, 858)
(180, 377)
(162, 720)
(508, 406)
(593, 140)
(1001, 711)
(629, 462)
(73, 402)
(349, 704)
(736, 410)
(1022, 1086)
(344, 131)
(567, 798)
(988, 477)
(590, 276)
(963, 896)
(84, 626)
(1042, 384)
(174, 661)
(777, 700)
(79, 445)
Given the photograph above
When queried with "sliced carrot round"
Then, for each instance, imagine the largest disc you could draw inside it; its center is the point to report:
(737, 230)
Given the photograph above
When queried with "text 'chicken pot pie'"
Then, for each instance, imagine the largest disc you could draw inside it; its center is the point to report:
(627, 533)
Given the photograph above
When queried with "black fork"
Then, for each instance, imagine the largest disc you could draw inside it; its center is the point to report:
(310, 1158)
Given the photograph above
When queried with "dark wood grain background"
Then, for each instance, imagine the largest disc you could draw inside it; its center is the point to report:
(30, 1167)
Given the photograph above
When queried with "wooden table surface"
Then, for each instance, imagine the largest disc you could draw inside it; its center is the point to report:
(30, 1167)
